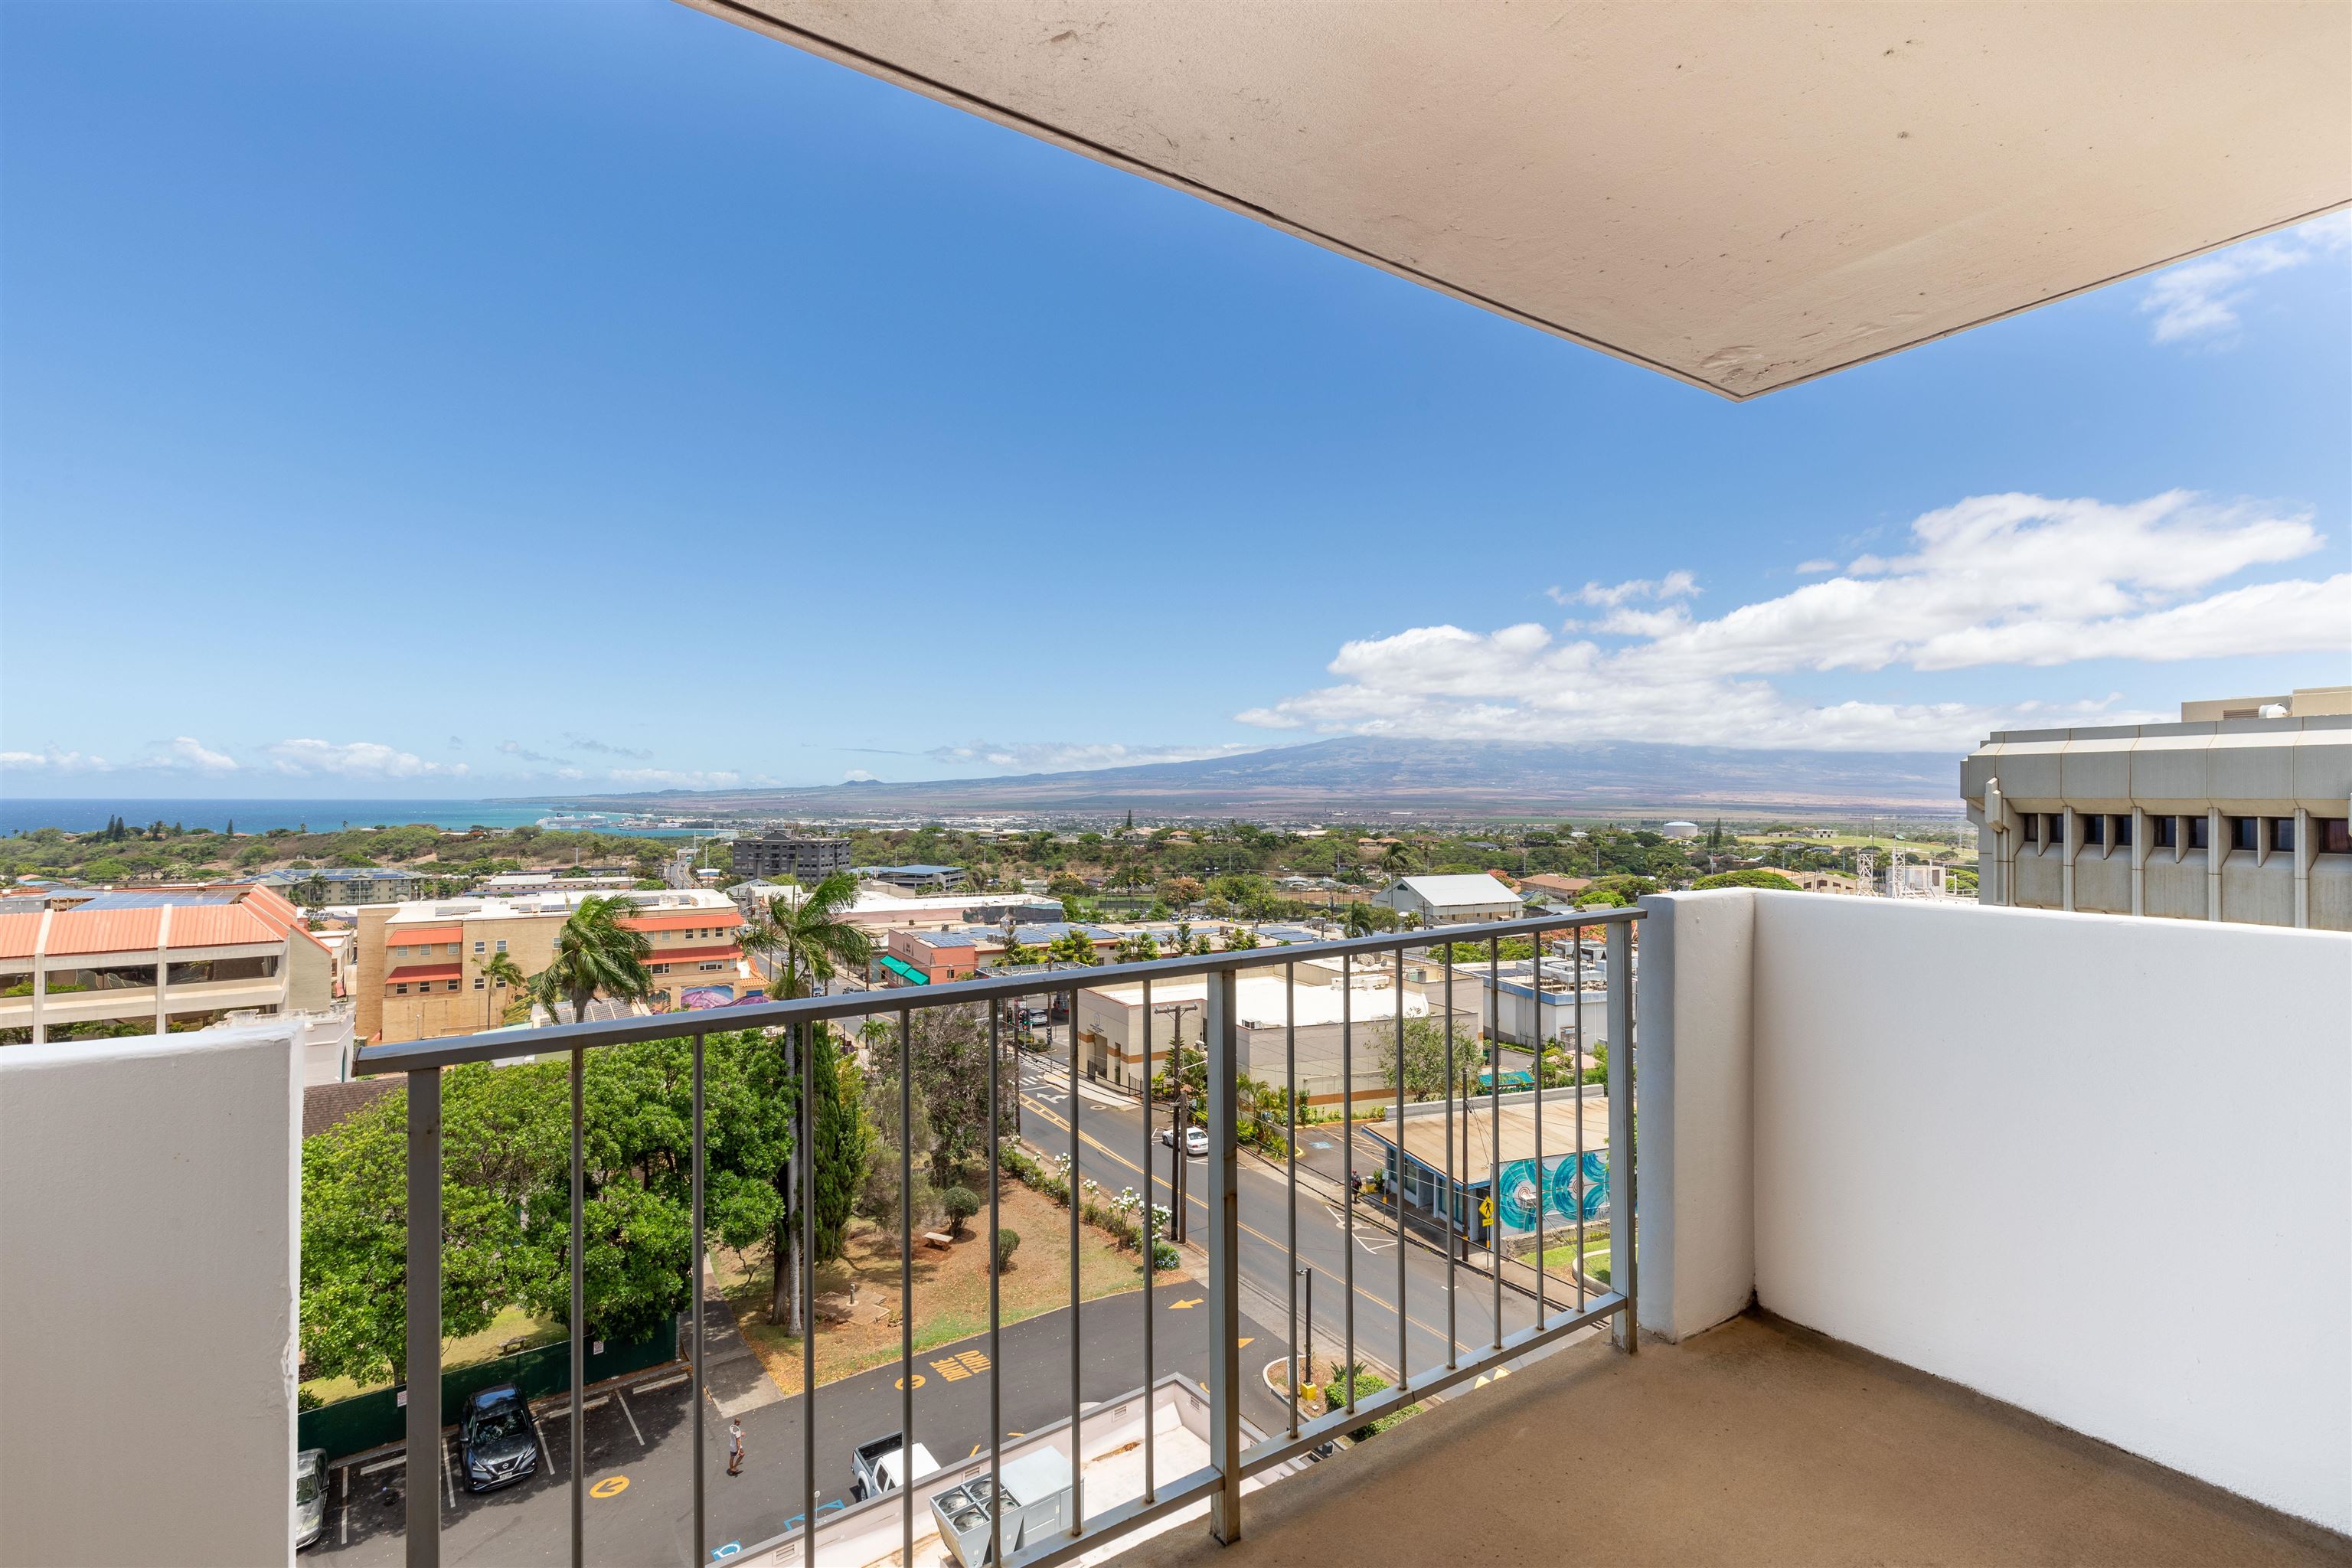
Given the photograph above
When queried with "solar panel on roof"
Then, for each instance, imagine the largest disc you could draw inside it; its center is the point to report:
(158, 899)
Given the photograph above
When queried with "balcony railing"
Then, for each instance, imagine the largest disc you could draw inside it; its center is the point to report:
(1579, 1303)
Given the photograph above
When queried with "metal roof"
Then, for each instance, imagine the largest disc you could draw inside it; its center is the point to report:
(1447, 891)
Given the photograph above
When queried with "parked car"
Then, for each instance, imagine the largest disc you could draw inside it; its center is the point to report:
(309, 1496)
(1196, 1139)
(877, 1466)
(496, 1444)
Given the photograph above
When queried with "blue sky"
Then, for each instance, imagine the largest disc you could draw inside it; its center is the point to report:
(461, 400)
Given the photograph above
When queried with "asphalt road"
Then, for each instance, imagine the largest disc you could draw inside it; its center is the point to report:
(1112, 1151)
(638, 1445)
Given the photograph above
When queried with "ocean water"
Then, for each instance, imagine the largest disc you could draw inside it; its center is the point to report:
(23, 814)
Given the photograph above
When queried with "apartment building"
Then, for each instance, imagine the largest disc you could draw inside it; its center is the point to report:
(154, 960)
(2241, 818)
(420, 971)
(919, 878)
(807, 859)
(345, 885)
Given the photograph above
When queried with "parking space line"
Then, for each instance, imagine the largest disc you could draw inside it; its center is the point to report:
(632, 1420)
(449, 1469)
(344, 1518)
(545, 1457)
(383, 1464)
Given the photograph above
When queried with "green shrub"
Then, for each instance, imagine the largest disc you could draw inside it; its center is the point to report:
(960, 1203)
(1008, 1242)
(1165, 1256)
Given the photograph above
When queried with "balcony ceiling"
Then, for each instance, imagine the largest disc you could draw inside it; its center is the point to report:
(1742, 196)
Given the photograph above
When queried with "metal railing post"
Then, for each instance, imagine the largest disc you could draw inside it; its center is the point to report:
(1622, 1212)
(423, 1359)
(579, 1309)
(1222, 1046)
(701, 1511)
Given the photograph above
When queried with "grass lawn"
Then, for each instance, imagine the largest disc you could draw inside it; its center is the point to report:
(511, 1324)
(1596, 1257)
(951, 1287)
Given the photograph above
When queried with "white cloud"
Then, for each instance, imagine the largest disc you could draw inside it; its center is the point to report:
(603, 748)
(1069, 756)
(858, 775)
(185, 752)
(1676, 585)
(2198, 299)
(303, 757)
(2006, 579)
(182, 753)
(49, 758)
(1815, 568)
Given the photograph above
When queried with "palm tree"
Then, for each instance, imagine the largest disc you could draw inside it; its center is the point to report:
(1359, 920)
(810, 940)
(312, 891)
(595, 952)
(505, 974)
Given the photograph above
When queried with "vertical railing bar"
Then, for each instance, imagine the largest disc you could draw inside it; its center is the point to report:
(1347, 1166)
(1543, 1176)
(578, 1312)
(1290, 1133)
(906, 1304)
(423, 1361)
(1404, 1321)
(1623, 1261)
(1576, 1188)
(1220, 1042)
(701, 1519)
(1077, 1478)
(805, 1148)
(1150, 1240)
(1494, 1125)
(1452, 1189)
(995, 1304)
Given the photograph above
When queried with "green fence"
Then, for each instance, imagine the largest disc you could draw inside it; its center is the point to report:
(373, 1419)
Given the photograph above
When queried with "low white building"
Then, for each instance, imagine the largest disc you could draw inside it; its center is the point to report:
(1112, 1033)
(1451, 900)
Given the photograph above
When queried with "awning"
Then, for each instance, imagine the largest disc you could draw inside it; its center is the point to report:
(1741, 196)
(904, 970)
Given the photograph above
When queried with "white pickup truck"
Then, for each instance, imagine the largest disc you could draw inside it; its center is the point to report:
(879, 1466)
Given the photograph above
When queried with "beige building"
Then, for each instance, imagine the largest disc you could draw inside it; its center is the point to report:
(420, 969)
(155, 960)
(2215, 819)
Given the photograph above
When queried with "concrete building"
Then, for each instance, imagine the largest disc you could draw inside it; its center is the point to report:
(369, 885)
(931, 957)
(554, 879)
(155, 960)
(1114, 1039)
(880, 910)
(913, 879)
(2214, 819)
(420, 964)
(1451, 900)
(807, 859)
(1823, 881)
(1540, 1165)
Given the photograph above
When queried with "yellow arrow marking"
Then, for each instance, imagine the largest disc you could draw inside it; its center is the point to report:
(1179, 1306)
(1239, 1344)
(610, 1486)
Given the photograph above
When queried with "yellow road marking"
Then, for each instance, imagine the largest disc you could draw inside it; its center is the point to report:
(1191, 1301)
(610, 1486)
(902, 1382)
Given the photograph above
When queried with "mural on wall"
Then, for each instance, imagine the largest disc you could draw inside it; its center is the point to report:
(1568, 1189)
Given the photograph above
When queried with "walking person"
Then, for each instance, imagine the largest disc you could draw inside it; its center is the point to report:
(735, 1447)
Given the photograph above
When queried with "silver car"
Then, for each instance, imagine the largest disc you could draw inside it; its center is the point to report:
(309, 1496)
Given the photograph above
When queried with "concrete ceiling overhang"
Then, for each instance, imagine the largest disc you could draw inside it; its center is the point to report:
(1741, 195)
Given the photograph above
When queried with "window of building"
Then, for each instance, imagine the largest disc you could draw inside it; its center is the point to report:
(478, 947)
(2166, 831)
(714, 965)
(2094, 828)
(2245, 832)
(2283, 833)
(2122, 831)
(400, 989)
(2055, 822)
(2197, 831)
(451, 986)
(502, 945)
(661, 969)
(2332, 835)
(477, 982)
(2033, 827)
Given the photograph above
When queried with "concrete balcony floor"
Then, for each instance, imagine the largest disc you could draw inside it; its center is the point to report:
(1755, 1443)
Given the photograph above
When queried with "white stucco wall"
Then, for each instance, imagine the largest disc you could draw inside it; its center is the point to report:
(2098, 1167)
(148, 1228)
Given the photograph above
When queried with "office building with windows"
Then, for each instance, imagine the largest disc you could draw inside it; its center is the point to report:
(2238, 819)
(806, 859)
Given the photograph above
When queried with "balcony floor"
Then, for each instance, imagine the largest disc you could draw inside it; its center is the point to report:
(1755, 1443)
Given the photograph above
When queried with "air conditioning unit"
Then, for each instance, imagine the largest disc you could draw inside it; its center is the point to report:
(1033, 1498)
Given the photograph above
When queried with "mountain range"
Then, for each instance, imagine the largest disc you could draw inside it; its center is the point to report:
(1372, 774)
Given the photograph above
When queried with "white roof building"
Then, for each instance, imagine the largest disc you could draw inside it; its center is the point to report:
(1451, 900)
